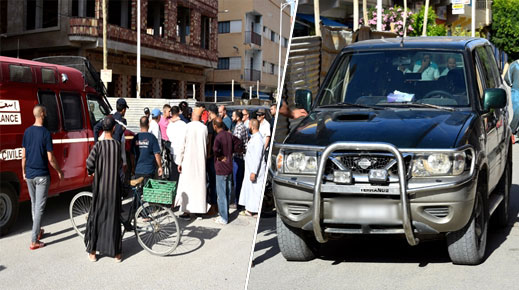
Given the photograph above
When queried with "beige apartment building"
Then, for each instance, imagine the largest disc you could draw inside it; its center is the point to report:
(248, 47)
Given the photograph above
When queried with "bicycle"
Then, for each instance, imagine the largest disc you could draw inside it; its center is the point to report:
(156, 227)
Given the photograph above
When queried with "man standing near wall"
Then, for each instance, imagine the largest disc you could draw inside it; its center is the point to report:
(37, 152)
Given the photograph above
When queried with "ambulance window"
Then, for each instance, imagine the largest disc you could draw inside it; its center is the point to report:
(48, 99)
(18, 73)
(97, 108)
(48, 76)
(72, 111)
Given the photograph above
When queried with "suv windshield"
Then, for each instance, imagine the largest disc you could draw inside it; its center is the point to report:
(392, 78)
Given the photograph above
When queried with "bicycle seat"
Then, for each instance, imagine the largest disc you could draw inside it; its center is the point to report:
(136, 182)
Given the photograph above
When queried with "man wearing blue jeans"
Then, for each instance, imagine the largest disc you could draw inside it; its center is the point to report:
(222, 149)
(36, 153)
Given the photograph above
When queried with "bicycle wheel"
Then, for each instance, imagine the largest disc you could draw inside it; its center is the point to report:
(157, 229)
(78, 210)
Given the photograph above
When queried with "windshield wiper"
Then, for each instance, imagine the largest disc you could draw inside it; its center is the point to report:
(419, 105)
(345, 104)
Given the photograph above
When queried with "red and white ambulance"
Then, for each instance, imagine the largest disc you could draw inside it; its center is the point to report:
(73, 106)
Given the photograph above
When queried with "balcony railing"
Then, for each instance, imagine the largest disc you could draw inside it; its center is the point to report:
(252, 37)
(251, 75)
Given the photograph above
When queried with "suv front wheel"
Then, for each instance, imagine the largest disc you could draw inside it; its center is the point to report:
(467, 246)
(293, 243)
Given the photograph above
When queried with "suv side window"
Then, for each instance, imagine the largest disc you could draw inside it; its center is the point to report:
(72, 111)
(48, 99)
(485, 61)
(493, 66)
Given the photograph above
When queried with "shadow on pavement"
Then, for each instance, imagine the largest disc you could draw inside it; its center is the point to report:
(2, 267)
(267, 228)
(385, 249)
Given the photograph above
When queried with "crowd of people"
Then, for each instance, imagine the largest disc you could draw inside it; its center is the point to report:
(217, 162)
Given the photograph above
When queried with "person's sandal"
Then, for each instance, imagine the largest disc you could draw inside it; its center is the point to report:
(118, 259)
(92, 258)
(37, 245)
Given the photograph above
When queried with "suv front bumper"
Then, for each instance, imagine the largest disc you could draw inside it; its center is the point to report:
(427, 206)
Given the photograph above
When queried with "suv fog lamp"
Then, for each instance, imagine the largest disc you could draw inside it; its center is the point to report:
(378, 176)
(342, 176)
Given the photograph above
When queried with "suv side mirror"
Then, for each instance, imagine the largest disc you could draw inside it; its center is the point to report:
(303, 99)
(494, 99)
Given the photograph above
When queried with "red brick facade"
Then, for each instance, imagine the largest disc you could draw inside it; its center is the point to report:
(170, 42)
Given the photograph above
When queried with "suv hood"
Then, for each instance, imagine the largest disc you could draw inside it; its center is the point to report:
(404, 128)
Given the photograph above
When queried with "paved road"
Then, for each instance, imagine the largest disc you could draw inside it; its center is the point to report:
(210, 256)
(389, 263)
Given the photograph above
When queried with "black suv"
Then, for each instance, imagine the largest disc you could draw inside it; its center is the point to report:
(404, 137)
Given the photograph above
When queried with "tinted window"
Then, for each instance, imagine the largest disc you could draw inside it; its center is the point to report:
(396, 77)
(72, 111)
(18, 73)
(48, 76)
(485, 60)
(48, 99)
(224, 27)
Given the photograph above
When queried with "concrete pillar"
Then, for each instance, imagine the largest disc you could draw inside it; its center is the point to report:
(38, 23)
(125, 5)
(195, 27)
(156, 19)
(157, 88)
(170, 20)
(202, 92)
(144, 15)
(182, 89)
(82, 8)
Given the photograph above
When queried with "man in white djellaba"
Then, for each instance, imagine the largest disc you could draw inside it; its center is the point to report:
(191, 191)
(250, 195)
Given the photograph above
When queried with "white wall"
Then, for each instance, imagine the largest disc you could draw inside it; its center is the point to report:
(235, 62)
(235, 26)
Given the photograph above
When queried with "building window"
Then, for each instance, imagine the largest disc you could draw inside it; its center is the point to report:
(183, 22)
(155, 18)
(272, 68)
(86, 8)
(205, 33)
(223, 63)
(272, 36)
(224, 27)
(3, 17)
(285, 42)
(119, 12)
(41, 14)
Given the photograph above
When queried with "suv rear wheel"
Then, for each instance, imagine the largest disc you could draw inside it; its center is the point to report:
(293, 243)
(8, 208)
(467, 246)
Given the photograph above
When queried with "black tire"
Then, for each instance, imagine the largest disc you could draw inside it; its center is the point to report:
(501, 215)
(157, 229)
(8, 208)
(293, 243)
(78, 211)
(468, 245)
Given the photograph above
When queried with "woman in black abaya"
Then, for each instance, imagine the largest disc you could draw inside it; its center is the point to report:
(103, 232)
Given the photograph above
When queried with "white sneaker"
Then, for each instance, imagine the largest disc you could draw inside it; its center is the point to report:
(220, 220)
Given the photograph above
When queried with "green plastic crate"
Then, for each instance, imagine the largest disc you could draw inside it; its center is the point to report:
(159, 191)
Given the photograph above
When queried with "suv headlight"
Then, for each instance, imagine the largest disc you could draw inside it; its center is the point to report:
(439, 164)
(297, 162)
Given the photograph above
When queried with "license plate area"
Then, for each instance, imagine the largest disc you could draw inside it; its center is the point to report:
(358, 211)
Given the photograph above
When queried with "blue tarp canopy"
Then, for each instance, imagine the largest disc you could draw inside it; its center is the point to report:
(326, 21)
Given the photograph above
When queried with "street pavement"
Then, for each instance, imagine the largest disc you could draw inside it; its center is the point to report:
(209, 256)
(383, 262)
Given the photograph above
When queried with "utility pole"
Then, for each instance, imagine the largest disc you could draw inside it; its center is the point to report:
(473, 20)
(365, 12)
(379, 15)
(105, 50)
(355, 15)
(138, 48)
(405, 18)
(426, 13)
(317, 18)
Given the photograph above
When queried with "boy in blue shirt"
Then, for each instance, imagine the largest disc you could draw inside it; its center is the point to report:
(146, 152)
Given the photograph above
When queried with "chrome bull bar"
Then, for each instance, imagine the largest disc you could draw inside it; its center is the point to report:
(363, 146)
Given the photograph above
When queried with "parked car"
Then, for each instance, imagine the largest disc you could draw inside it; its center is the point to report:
(73, 107)
(392, 146)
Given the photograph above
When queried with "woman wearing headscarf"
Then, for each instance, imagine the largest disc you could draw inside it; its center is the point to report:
(103, 231)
